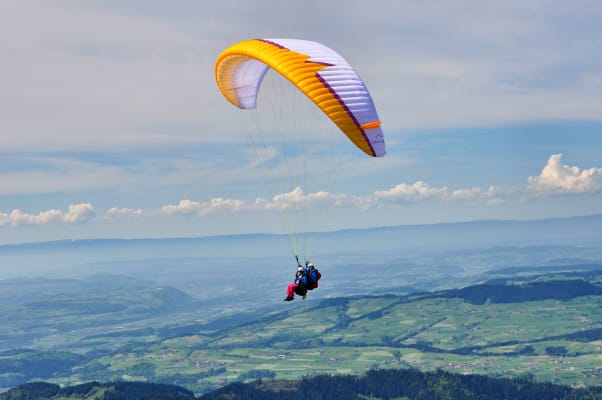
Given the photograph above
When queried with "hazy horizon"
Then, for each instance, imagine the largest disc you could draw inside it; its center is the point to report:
(280, 234)
(379, 244)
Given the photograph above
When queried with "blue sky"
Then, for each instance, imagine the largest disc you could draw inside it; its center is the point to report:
(112, 125)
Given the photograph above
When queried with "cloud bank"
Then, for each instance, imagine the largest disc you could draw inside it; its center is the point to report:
(554, 179)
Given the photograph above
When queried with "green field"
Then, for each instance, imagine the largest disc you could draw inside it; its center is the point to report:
(548, 340)
(352, 335)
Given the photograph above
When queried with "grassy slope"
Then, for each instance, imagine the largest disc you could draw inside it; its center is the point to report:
(354, 334)
(350, 335)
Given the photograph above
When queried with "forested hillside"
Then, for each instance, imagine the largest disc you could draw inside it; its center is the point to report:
(406, 383)
(98, 391)
(375, 385)
(496, 293)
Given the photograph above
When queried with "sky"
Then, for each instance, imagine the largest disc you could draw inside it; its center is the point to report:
(111, 124)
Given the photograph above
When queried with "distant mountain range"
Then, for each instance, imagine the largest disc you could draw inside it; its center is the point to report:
(574, 231)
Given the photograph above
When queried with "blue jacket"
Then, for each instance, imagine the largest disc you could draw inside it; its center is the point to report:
(313, 277)
(301, 279)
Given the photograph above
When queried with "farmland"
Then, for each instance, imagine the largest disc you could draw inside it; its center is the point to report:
(546, 340)
(541, 323)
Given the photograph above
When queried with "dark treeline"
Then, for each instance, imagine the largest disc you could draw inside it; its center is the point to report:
(393, 384)
(109, 391)
(377, 384)
(558, 290)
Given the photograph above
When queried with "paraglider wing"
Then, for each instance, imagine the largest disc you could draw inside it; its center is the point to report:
(319, 72)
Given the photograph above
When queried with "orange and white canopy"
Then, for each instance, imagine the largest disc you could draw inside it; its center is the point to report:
(318, 71)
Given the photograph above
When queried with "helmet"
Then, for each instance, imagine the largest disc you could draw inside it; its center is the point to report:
(310, 265)
(300, 269)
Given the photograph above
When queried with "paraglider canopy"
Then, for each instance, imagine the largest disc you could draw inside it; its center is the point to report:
(291, 140)
(318, 71)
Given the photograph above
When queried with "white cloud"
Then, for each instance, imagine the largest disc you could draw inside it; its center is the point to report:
(297, 199)
(404, 192)
(285, 201)
(79, 213)
(494, 195)
(184, 207)
(117, 213)
(76, 214)
(201, 209)
(18, 217)
(339, 199)
(559, 178)
(466, 194)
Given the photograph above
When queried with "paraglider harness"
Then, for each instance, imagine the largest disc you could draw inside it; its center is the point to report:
(312, 276)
